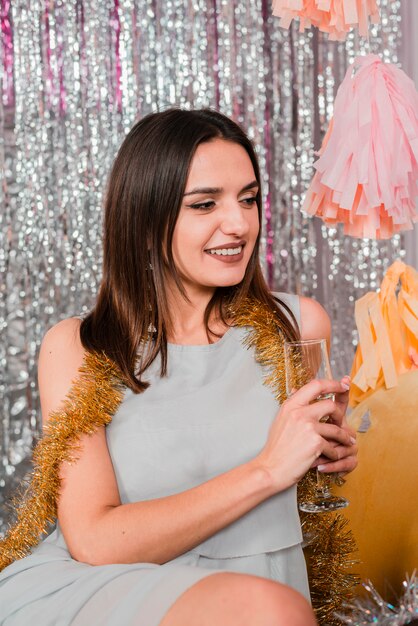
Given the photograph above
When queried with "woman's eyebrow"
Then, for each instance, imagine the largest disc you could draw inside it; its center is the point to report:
(215, 190)
(209, 190)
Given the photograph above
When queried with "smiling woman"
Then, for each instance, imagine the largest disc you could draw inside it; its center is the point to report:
(180, 505)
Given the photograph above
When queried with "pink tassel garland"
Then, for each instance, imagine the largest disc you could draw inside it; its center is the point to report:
(335, 17)
(367, 172)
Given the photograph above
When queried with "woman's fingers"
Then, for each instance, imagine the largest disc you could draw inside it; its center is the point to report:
(315, 394)
(341, 399)
(315, 389)
(337, 457)
(333, 410)
(343, 452)
(323, 411)
(338, 444)
(333, 433)
(331, 421)
(347, 464)
(336, 453)
(350, 431)
(337, 415)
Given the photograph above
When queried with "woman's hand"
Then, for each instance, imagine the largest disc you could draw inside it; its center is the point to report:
(298, 438)
(315, 323)
(347, 454)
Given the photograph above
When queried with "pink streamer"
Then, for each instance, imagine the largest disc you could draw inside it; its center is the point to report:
(367, 172)
(47, 45)
(8, 54)
(60, 62)
(55, 87)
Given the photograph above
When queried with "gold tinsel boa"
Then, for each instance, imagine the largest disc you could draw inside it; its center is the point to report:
(92, 401)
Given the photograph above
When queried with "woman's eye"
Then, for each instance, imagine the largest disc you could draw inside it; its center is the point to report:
(250, 201)
(203, 205)
(209, 204)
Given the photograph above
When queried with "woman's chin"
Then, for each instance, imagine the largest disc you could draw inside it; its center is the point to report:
(228, 281)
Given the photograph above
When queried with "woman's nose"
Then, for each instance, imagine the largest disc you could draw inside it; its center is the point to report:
(234, 220)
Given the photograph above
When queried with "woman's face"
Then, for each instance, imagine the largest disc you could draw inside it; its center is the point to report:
(218, 223)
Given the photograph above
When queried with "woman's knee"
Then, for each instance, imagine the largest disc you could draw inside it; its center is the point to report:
(287, 606)
(275, 604)
(230, 599)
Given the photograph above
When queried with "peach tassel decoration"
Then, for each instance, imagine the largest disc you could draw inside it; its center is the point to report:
(366, 176)
(335, 17)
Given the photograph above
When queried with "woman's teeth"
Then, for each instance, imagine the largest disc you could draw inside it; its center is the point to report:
(226, 251)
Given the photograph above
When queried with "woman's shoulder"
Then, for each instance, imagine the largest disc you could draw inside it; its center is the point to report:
(314, 322)
(60, 357)
(62, 337)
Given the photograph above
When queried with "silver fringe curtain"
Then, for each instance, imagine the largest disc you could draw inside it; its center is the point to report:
(74, 77)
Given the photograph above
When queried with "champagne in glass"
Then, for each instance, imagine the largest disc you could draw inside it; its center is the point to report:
(305, 361)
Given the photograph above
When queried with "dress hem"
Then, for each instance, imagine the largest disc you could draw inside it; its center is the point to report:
(166, 592)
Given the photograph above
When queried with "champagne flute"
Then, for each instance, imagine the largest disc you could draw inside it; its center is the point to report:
(304, 361)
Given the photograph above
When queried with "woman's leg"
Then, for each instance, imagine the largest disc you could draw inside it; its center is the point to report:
(228, 599)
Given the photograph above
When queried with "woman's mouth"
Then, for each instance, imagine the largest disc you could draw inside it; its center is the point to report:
(228, 254)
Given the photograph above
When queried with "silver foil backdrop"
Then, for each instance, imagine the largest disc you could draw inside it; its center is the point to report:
(75, 76)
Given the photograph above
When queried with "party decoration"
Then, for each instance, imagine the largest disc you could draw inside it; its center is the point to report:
(366, 176)
(91, 402)
(335, 17)
(375, 610)
(387, 324)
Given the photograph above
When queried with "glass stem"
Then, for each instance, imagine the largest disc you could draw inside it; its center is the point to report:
(322, 485)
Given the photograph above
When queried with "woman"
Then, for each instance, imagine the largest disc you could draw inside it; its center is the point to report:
(182, 510)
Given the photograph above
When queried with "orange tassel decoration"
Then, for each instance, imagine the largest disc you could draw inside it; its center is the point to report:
(387, 323)
(335, 17)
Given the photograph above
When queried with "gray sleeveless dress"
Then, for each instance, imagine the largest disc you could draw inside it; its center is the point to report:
(210, 414)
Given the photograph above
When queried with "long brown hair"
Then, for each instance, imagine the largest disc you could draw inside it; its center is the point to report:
(144, 195)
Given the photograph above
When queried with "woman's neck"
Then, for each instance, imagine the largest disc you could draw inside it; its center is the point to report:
(187, 319)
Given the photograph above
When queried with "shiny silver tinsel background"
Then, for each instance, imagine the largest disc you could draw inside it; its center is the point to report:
(83, 72)
(373, 609)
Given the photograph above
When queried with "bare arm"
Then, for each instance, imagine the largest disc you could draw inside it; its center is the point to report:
(99, 529)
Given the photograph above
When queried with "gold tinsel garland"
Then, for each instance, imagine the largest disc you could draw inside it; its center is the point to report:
(92, 401)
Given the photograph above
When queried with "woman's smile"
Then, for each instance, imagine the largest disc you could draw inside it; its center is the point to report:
(228, 253)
